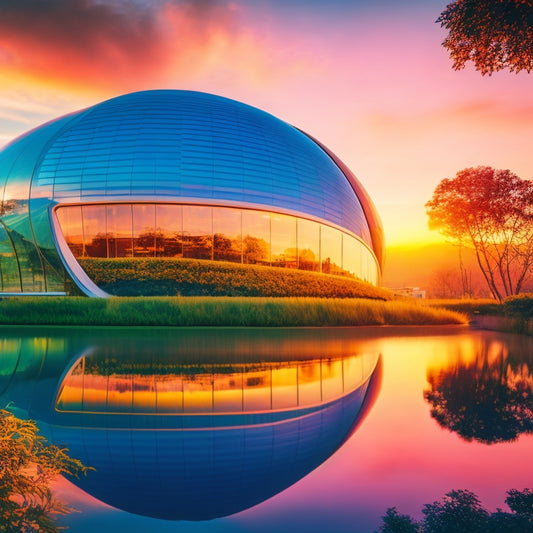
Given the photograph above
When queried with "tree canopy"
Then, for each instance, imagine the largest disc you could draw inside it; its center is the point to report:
(460, 511)
(494, 34)
(491, 211)
(489, 400)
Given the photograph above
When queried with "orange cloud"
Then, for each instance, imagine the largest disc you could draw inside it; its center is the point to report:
(117, 45)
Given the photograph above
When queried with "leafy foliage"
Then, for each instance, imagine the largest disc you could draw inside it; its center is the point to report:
(492, 211)
(521, 306)
(27, 466)
(460, 511)
(394, 522)
(489, 400)
(494, 34)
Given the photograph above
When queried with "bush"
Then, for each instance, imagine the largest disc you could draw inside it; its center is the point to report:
(519, 306)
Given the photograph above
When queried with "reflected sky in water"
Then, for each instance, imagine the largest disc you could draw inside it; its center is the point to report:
(256, 430)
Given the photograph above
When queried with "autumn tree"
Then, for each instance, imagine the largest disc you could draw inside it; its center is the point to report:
(492, 212)
(494, 34)
(28, 464)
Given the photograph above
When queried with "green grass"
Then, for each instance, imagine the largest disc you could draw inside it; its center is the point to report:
(220, 311)
(193, 277)
(470, 306)
(513, 315)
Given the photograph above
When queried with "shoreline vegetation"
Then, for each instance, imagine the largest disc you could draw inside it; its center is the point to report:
(187, 311)
(513, 315)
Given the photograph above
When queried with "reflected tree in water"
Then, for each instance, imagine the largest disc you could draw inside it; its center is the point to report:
(28, 464)
(460, 511)
(489, 399)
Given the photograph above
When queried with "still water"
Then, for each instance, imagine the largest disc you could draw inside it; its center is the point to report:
(273, 429)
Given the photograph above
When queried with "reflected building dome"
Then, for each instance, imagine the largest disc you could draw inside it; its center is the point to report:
(178, 174)
(195, 435)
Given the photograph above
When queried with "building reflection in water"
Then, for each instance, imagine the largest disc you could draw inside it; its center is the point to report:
(196, 431)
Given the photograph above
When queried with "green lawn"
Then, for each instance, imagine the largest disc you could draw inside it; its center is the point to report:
(220, 311)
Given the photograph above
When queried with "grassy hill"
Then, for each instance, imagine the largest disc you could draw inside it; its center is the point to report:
(191, 277)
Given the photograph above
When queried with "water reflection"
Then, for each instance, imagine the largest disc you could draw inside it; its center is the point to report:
(191, 425)
(488, 397)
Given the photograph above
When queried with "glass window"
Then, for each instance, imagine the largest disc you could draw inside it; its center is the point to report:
(309, 386)
(330, 250)
(9, 269)
(351, 256)
(144, 230)
(332, 386)
(308, 245)
(119, 230)
(370, 270)
(256, 390)
(227, 234)
(94, 230)
(168, 223)
(283, 231)
(197, 232)
(227, 392)
(256, 237)
(284, 388)
(72, 228)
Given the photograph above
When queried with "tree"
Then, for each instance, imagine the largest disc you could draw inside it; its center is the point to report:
(394, 522)
(489, 399)
(494, 34)
(460, 511)
(491, 211)
(27, 466)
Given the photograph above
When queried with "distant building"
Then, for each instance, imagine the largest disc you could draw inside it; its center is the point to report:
(177, 174)
(412, 292)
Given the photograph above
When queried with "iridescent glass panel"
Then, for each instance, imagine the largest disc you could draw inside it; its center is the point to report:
(227, 392)
(197, 232)
(256, 237)
(351, 255)
(94, 230)
(169, 230)
(330, 250)
(257, 391)
(309, 386)
(119, 230)
(144, 230)
(227, 234)
(71, 224)
(283, 231)
(308, 245)
(9, 269)
(285, 387)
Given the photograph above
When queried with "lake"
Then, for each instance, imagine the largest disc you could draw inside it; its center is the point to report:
(311, 429)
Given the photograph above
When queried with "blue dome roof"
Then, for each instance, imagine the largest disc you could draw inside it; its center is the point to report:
(190, 145)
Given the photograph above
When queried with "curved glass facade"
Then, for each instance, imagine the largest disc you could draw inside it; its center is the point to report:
(215, 233)
(180, 147)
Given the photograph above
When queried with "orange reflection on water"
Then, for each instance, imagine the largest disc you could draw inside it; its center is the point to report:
(218, 388)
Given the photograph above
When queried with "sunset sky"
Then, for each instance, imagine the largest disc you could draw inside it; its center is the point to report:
(368, 78)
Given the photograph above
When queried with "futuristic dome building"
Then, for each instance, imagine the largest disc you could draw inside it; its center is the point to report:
(177, 174)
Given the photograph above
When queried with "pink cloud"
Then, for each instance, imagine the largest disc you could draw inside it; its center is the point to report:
(119, 45)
